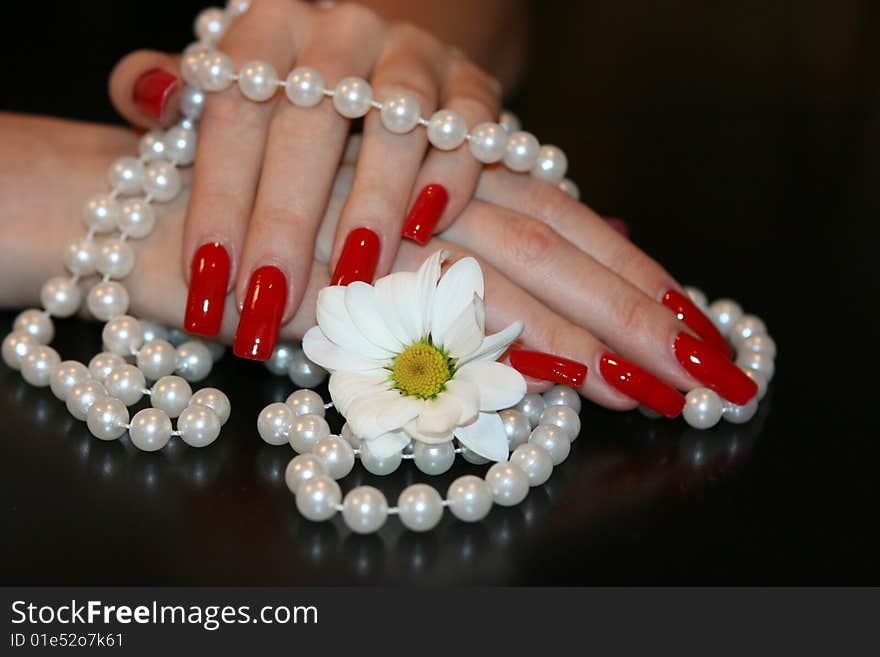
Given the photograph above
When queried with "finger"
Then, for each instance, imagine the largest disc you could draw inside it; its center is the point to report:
(145, 88)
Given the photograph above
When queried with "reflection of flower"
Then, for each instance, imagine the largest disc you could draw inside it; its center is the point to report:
(409, 359)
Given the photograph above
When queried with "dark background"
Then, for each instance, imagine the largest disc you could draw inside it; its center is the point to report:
(738, 139)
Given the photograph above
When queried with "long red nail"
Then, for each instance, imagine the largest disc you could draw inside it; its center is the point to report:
(641, 385)
(425, 213)
(548, 367)
(693, 317)
(713, 369)
(261, 316)
(359, 257)
(152, 90)
(209, 281)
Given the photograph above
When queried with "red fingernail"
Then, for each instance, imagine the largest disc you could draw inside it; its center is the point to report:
(358, 259)
(261, 316)
(425, 213)
(208, 283)
(693, 317)
(152, 90)
(713, 370)
(548, 367)
(641, 385)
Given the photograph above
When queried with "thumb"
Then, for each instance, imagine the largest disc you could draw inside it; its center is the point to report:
(145, 88)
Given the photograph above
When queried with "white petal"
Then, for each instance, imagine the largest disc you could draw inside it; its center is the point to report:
(465, 335)
(500, 385)
(428, 278)
(440, 415)
(400, 411)
(468, 394)
(345, 387)
(332, 357)
(494, 345)
(412, 430)
(455, 291)
(399, 305)
(360, 302)
(486, 437)
(388, 444)
(364, 411)
(335, 322)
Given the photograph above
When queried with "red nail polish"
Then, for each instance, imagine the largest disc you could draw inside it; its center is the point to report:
(713, 370)
(208, 284)
(693, 317)
(358, 259)
(425, 213)
(152, 90)
(261, 316)
(641, 385)
(548, 367)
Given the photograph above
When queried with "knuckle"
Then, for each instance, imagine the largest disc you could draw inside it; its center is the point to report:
(229, 110)
(532, 242)
(473, 107)
(630, 313)
(352, 18)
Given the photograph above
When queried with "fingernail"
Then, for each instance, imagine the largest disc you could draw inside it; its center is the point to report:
(152, 90)
(261, 315)
(208, 284)
(641, 385)
(548, 367)
(713, 370)
(358, 259)
(619, 225)
(425, 213)
(693, 317)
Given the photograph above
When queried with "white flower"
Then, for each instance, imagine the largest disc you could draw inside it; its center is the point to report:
(409, 359)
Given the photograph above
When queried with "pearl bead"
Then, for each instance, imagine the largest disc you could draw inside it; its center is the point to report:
(724, 313)
(180, 145)
(509, 122)
(81, 256)
(302, 468)
(127, 175)
(488, 142)
(364, 509)
(193, 361)
(101, 213)
(36, 324)
(136, 219)
(280, 359)
(702, 408)
(115, 258)
(563, 417)
(517, 427)
(274, 423)
(758, 362)
(553, 439)
(81, 397)
(150, 429)
(38, 364)
(760, 343)
(162, 181)
(400, 113)
(60, 296)
(508, 483)
(563, 396)
(433, 459)
(570, 188)
(376, 465)
(420, 507)
(192, 102)
(171, 394)
(759, 379)
(469, 498)
(126, 383)
(216, 349)
(535, 461)
(472, 457)
(346, 434)
(257, 81)
(532, 405)
(153, 330)
(353, 97)
(696, 295)
(447, 129)
(214, 71)
(318, 497)
(157, 358)
(303, 372)
(522, 151)
(238, 7)
(336, 455)
(550, 165)
(198, 425)
(306, 431)
(214, 399)
(15, 347)
(103, 364)
(191, 62)
(106, 418)
(305, 87)
(123, 335)
(177, 337)
(744, 328)
(740, 414)
(67, 375)
(306, 402)
(107, 300)
(152, 145)
(210, 24)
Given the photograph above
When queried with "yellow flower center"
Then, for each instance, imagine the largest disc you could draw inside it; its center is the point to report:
(421, 370)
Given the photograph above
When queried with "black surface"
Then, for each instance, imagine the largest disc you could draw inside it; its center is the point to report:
(741, 142)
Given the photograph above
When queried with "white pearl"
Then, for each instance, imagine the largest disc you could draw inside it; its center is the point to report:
(39, 363)
(561, 395)
(258, 81)
(353, 97)
(107, 300)
(378, 466)
(81, 397)
(36, 324)
(162, 180)
(177, 337)
(153, 330)
(198, 425)
(115, 258)
(193, 361)
(126, 383)
(336, 455)
(433, 459)
(237, 7)
(488, 142)
(760, 343)
(550, 165)
(420, 507)
(67, 375)
(191, 62)
(447, 129)
(469, 498)
(517, 427)
(305, 87)
(217, 350)
(472, 457)
(508, 483)
(563, 417)
(553, 439)
(364, 509)
(15, 347)
(306, 431)
(280, 359)
(102, 364)
(101, 213)
(724, 313)
(210, 24)
(522, 151)
(305, 373)
(152, 145)
(60, 296)
(744, 328)
(180, 145)
(127, 175)
(214, 71)
(157, 358)
(400, 113)
(535, 461)
(509, 121)
(214, 399)
(570, 188)
(171, 394)
(346, 434)
(759, 379)
(702, 408)
(698, 297)
(532, 405)
(81, 257)
(318, 497)
(150, 429)
(305, 402)
(302, 468)
(106, 418)
(274, 423)
(123, 335)
(758, 362)
(740, 414)
(192, 102)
